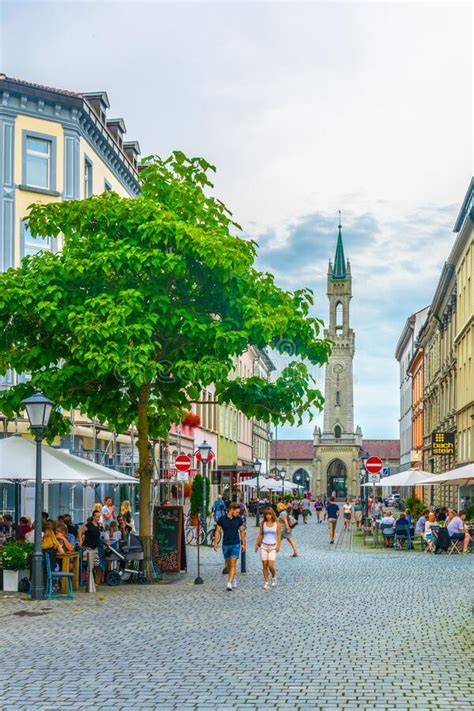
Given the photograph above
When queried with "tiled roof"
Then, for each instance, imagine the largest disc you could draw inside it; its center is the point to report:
(65, 92)
(383, 448)
(292, 449)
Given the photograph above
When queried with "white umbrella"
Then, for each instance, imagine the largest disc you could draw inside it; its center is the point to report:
(289, 486)
(18, 463)
(264, 483)
(410, 477)
(463, 476)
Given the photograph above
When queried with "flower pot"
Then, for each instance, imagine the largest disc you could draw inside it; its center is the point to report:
(194, 519)
(11, 578)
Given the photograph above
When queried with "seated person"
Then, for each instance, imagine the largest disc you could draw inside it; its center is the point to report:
(409, 517)
(7, 526)
(420, 524)
(442, 515)
(388, 528)
(428, 533)
(50, 540)
(70, 526)
(24, 527)
(402, 526)
(114, 534)
(63, 537)
(458, 530)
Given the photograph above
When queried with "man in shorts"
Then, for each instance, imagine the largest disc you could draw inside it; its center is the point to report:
(233, 541)
(333, 513)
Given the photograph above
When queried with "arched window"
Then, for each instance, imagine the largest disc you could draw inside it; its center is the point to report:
(339, 316)
(337, 432)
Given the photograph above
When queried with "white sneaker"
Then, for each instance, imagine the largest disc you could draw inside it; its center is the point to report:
(266, 585)
(274, 582)
(234, 583)
(229, 587)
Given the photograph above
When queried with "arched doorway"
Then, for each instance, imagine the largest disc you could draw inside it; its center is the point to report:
(301, 477)
(337, 479)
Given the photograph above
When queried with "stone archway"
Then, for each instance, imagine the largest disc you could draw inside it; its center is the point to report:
(337, 479)
(301, 477)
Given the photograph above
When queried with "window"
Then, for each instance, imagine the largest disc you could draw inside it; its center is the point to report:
(87, 178)
(337, 432)
(32, 245)
(107, 186)
(38, 161)
(338, 398)
(339, 317)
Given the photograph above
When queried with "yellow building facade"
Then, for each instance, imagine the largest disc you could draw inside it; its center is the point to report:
(463, 260)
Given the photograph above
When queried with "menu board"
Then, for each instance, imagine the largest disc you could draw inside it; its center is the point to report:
(169, 550)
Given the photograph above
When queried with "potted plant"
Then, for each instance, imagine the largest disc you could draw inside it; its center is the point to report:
(196, 498)
(16, 564)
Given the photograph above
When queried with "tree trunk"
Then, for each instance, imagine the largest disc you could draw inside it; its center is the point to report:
(145, 473)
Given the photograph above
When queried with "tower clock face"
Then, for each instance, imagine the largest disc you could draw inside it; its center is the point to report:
(337, 368)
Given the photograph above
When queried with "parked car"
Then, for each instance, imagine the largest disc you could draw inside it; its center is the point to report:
(393, 500)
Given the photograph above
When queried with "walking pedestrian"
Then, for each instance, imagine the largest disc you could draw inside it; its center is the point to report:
(286, 528)
(333, 514)
(347, 512)
(325, 507)
(269, 542)
(218, 507)
(358, 512)
(296, 505)
(319, 508)
(233, 541)
(305, 509)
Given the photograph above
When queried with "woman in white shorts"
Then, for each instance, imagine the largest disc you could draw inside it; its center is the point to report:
(269, 542)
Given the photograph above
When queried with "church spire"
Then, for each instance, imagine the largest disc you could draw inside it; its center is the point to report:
(339, 270)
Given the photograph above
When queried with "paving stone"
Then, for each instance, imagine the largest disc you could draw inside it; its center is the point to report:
(325, 638)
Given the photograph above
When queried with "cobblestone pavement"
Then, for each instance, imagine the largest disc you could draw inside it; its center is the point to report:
(344, 629)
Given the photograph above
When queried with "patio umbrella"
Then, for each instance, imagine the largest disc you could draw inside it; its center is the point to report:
(410, 477)
(264, 483)
(463, 476)
(18, 463)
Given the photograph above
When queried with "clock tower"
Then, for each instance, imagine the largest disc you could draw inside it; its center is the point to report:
(337, 447)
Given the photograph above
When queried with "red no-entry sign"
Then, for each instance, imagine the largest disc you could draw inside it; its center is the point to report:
(374, 465)
(183, 463)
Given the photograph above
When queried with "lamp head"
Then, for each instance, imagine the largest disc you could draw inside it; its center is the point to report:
(38, 409)
(204, 451)
(257, 466)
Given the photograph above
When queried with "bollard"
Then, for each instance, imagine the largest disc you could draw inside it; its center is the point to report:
(243, 561)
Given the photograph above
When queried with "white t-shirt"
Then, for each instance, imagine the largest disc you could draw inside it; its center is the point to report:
(347, 508)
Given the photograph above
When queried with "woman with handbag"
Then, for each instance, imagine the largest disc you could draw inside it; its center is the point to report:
(287, 522)
(269, 541)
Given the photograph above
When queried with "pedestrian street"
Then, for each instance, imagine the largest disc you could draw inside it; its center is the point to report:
(343, 629)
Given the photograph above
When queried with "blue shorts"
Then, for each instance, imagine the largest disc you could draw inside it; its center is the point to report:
(231, 551)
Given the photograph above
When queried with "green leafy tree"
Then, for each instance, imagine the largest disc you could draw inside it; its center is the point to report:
(149, 302)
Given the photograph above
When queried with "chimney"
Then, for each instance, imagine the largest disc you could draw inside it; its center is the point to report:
(99, 102)
(132, 151)
(116, 128)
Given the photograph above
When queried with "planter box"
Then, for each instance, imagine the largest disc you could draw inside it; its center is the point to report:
(11, 578)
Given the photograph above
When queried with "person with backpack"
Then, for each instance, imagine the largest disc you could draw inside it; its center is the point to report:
(218, 508)
(269, 542)
(287, 522)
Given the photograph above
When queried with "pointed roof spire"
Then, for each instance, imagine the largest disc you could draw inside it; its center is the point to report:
(339, 271)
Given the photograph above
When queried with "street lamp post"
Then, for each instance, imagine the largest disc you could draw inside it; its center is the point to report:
(282, 475)
(204, 452)
(38, 409)
(257, 466)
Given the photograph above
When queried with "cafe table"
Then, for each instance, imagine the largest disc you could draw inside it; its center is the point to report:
(65, 560)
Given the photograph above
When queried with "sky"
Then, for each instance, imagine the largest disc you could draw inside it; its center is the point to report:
(305, 109)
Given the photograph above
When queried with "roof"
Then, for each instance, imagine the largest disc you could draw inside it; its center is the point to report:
(466, 207)
(292, 449)
(339, 270)
(64, 92)
(383, 448)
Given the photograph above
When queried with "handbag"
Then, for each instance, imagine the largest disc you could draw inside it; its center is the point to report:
(292, 522)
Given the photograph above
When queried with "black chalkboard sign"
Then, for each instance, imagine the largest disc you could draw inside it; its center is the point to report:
(169, 550)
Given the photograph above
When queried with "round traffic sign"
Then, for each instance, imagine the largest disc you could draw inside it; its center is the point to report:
(374, 465)
(183, 463)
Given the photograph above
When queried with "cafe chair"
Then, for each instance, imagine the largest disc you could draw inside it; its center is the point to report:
(53, 578)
